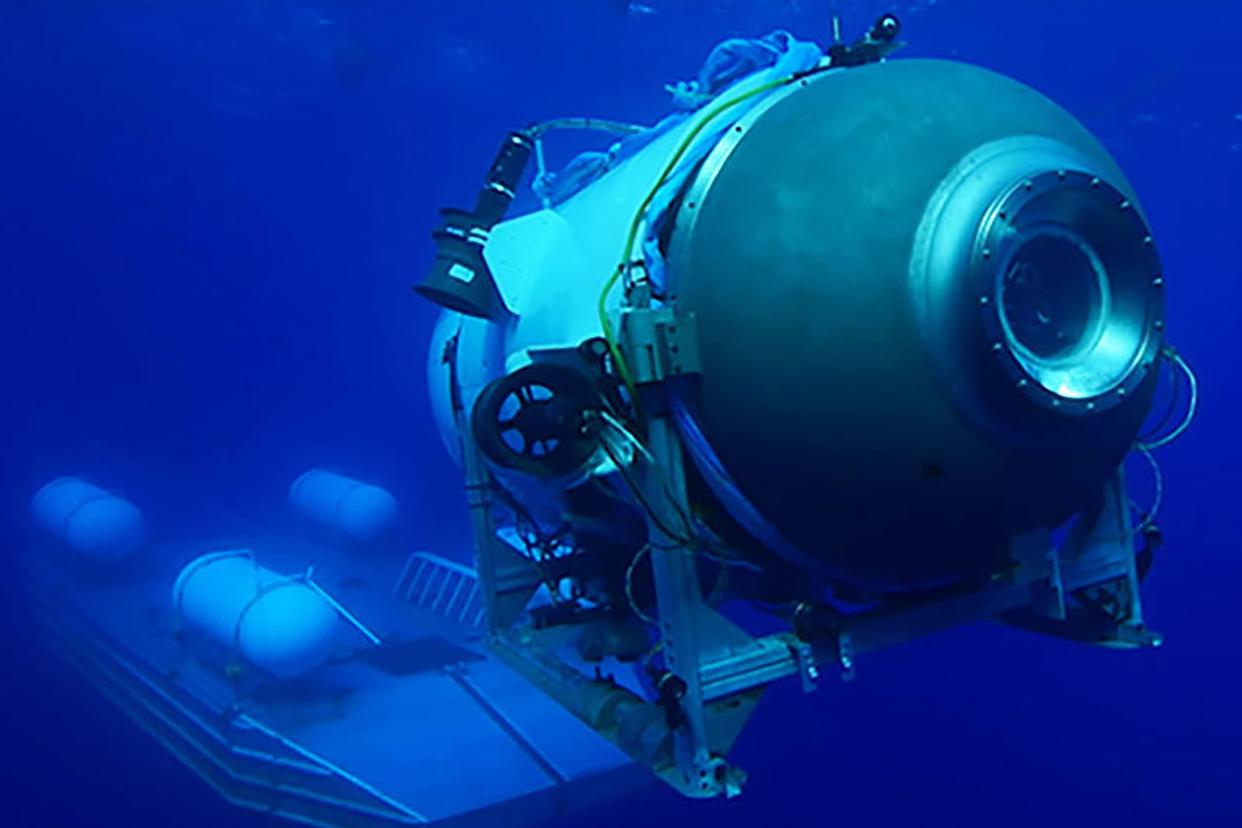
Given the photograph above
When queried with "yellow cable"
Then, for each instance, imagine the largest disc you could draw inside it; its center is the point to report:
(624, 265)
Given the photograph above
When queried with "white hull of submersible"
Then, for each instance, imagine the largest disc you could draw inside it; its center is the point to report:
(276, 622)
(550, 267)
(95, 523)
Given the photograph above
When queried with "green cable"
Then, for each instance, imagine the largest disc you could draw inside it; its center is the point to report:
(622, 268)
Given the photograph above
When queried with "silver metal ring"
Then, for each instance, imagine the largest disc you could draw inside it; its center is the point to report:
(1030, 267)
(1076, 290)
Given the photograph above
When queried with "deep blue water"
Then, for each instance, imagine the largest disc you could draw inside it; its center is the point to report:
(210, 218)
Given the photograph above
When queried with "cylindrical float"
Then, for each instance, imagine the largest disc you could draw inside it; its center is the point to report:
(94, 522)
(361, 510)
(276, 622)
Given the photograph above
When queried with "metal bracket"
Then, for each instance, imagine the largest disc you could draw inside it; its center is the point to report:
(1039, 565)
(1097, 566)
(727, 668)
(845, 656)
(808, 670)
(659, 344)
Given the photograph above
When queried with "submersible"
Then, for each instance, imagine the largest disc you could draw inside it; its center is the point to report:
(861, 341)
(844, 351)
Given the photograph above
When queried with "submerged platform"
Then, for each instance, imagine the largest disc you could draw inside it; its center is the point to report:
(427, 728)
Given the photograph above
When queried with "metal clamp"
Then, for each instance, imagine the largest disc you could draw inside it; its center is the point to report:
(660, 344)
(845, 656)
(808, 670)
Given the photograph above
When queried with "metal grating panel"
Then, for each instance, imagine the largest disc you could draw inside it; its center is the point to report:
(443, 587)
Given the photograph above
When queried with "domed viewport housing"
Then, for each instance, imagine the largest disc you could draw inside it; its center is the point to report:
(1061, 267)
(926, 287)
(1076, 289)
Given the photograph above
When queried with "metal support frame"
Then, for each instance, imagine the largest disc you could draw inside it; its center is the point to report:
(708, 659)
(1097, 557)
(1097, 564)
(679, 600)
(508, 580)
(1085, 589)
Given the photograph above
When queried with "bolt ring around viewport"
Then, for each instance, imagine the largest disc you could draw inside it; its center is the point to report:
(1003, 332)
(1074, 287)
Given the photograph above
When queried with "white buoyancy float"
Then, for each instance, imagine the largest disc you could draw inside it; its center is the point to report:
(361, 510)
(92, 521)
(280, 624)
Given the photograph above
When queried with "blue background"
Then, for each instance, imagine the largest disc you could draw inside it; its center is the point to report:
(210, 217)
